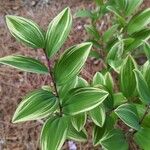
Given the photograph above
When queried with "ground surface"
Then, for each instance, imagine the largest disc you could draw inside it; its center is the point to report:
(15, 84)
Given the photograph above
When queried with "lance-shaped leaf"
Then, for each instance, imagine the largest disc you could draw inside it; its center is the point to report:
(93, 53)
(119, 99)
(84, 13)
(128, 114)
(139, 21)
(110, 32)
(146, 73)
(142, 87)
(114, 140)
(24, 63)
(78, 121)
(54, 133)
(98, 79)
(117, 13)
(83, 99)
(115, 54)
(132, 5)
(128, 6)
(98, 115)
(136, 39)
(73, 134)
(81, 82)
(120, 4)
(142, 138)
(147, 50)
(37, 104)
(71, 62)
(99, 2)
(127, 77)
(63, 90)
(58, 31)
(109, 83)
(97, 134)
(25, 31)
(92, 31)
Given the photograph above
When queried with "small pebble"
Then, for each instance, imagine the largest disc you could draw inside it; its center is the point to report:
(72, 145)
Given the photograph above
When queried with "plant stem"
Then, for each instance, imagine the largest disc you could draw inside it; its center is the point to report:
(54, 83)
(146, 112)
(144, 115)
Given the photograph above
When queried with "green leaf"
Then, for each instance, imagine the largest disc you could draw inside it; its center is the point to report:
(109, 103)
(84, 13)
(97, 134)
(128, 114)
(119, 99)
(98, 79)
(47, 88)
(141, 35)
(136, 39)
(65, 88)
(128, 6)
(24, 63)
(114, 140)
(58, 31)
(81, 82)
(142, 87)
(115, 54)
(142, 138)
(98, 115)
(25, 31)
(54, 133)
(115, 65)
(92, 31)
(147, 50)
(99, 2)
(139, 21)
(127, 77)
(71, 62)
(146, 73)
(131, 5)
(121, 4)
(110, 32)
(116, 51)
(96, 45)
(73, 134)
(83, 99)
(94, 54)
(109, 83)
(117, 13)
(37, 104)
(78, 121)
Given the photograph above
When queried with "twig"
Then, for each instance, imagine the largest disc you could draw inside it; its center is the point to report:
(143, 117)
(53, 80)
(146, 112)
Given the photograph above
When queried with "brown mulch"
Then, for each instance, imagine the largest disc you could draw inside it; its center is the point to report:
(15, 84)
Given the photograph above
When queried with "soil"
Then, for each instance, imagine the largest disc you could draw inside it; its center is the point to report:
(15, 84)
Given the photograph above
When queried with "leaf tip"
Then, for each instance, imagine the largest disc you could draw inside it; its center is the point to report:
(89, 44)
(14, 119)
